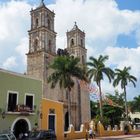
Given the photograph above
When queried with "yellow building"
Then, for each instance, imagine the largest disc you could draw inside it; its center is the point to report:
(52, 117)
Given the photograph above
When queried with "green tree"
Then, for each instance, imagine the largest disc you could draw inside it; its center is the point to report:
(135, 104)
(97, 69)
(113, 114)
(93, 109)
(65, 69)
(118, 98)
(123, 77)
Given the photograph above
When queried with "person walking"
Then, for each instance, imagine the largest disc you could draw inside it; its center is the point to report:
(90, 134)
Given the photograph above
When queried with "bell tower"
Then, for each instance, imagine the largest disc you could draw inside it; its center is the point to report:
(76, 47)
(42, 42)
(76, 43)
(42, 35)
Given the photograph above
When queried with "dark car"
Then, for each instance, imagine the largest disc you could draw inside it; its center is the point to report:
(41, 135)
(7, 136)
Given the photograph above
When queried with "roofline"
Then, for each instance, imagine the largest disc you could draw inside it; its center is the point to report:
(53, 101)
(43, 7)
(18, 74)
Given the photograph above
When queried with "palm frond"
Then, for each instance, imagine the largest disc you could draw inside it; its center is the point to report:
(65, 68)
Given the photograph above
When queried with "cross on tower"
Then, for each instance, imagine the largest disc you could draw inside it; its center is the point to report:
(42, 2)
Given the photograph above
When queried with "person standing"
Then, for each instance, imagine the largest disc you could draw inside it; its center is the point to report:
(90, 133)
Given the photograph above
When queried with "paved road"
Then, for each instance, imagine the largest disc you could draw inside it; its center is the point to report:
(124, 137)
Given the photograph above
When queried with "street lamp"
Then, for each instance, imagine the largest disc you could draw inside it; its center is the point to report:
(3, 114)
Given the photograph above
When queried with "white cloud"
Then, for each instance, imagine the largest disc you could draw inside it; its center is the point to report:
(10, 63)
(14, 24)
(122, 57)
(14, 16)
(125, 57)
(101, 20)
(138, 36)
(22, 49)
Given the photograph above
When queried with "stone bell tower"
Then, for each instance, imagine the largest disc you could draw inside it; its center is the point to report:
(42, 42)
(76, 43)
(76, 48)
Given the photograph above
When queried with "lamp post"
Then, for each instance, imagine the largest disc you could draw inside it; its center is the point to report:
(3, 114)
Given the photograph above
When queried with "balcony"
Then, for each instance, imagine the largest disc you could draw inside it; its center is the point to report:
(21, 109)
(24, 108)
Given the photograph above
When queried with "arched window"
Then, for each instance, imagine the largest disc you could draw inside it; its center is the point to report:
(49, 24)
(72, 43)
(83, 59)
(82, 42)
(36, 22)
(35, 44)
(49, 45)
(137, 120)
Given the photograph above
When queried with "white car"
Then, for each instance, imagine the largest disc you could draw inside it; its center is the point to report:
(7, 136)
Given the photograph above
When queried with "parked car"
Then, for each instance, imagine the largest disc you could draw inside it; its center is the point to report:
(41, 135)
(7, 136)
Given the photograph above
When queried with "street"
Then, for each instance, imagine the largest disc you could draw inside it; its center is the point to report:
(124, 137)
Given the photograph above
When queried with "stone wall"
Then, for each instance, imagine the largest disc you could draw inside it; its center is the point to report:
(101, 132)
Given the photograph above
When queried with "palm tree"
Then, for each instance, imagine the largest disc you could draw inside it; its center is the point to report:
(123, 77)
(96, 71)
(65, 68)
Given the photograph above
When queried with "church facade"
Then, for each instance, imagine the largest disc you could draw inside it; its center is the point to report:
(42, 51)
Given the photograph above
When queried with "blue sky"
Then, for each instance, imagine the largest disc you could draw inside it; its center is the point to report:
(112, 28)
(129, 4)
(128, 40)
(38, 1)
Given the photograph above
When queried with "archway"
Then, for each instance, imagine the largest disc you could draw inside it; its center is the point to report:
(36, 43)
(21, 126)
(66, 121)
(72, 43)
(136, 122)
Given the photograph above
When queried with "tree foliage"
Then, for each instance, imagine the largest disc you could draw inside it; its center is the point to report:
(65, 70)
(123, 77)
(96, 72)
(112, 114)
(134, 105)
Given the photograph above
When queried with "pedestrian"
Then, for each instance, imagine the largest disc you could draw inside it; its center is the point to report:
(20, 136)
(90, 133)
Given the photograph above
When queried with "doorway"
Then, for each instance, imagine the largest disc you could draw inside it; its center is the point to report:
(52, 122)
(21, 126)
(66, 121)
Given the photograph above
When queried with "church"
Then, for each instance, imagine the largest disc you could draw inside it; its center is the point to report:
(27, 99)
(42, 51)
